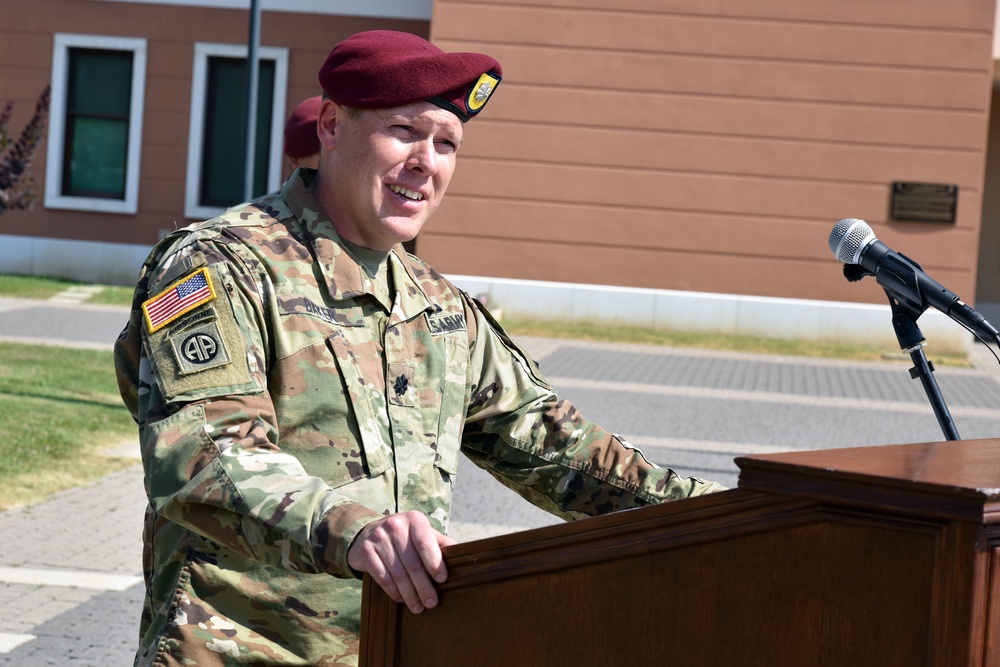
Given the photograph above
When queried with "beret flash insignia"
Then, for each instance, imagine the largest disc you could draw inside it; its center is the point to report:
(480, 92)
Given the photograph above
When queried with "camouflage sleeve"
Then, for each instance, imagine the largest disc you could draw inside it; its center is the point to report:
(540, 446)
(209, 438)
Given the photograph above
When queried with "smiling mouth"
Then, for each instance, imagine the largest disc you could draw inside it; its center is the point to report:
(404, 192)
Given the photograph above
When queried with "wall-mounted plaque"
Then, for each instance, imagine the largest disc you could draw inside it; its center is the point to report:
(924, 202)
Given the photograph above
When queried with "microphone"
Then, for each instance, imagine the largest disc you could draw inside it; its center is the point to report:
(852, 241)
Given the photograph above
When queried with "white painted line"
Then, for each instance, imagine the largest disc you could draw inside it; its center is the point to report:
(76, 294)
(9, 642)
(98, 581)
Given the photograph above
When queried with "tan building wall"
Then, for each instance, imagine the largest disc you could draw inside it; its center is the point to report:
(711, 147)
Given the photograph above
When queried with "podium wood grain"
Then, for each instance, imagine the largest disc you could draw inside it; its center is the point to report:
(864, 556)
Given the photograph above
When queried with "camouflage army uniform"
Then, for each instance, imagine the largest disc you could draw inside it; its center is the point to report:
(297, 401)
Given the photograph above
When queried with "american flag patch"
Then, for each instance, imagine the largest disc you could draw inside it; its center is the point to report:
(181, 297)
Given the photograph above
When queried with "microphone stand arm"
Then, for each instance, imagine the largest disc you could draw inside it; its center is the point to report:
(911, 341)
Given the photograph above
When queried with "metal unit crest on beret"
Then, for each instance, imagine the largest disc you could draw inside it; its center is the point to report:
(480, 92)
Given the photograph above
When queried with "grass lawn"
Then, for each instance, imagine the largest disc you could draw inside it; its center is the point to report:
(58, 409)
(703, 341)
(28, 287)
(113, 296)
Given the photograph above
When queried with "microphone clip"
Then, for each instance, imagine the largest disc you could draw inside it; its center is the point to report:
(855, 272)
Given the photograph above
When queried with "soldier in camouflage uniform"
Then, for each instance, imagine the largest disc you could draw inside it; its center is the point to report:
(303, 387)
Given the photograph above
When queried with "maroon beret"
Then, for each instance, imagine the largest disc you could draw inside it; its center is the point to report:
(379, 69)
(300, 130)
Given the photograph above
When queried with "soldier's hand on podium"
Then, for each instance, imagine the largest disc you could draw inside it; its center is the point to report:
(402, 553)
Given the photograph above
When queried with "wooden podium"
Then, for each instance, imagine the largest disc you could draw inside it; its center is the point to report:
(882, 556)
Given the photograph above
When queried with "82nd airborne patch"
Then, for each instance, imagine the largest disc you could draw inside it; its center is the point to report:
(199, 348)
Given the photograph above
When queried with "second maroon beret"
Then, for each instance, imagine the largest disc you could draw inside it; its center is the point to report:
(300, 129)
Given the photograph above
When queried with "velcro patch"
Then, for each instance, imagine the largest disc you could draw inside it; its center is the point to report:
(182, 297)
(199, 348)
(444, 324)
(206, 352)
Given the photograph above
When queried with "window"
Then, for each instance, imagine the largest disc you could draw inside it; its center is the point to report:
(95, 131)
(217, 141)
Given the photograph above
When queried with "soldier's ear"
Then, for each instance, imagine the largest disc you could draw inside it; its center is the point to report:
(327, 123)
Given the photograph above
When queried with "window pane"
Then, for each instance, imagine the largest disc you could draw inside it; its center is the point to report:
(100, 82)
(99, 93)
(98, 149)
(223, 156)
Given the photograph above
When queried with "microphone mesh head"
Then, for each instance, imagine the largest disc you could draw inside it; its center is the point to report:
(848, 238)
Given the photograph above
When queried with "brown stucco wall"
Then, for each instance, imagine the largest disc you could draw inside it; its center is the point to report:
(676, 144)
(705, 146)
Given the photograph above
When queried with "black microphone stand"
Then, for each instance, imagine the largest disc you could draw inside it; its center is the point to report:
(911, 341)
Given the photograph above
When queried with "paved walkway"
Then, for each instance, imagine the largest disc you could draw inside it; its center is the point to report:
(70, 585)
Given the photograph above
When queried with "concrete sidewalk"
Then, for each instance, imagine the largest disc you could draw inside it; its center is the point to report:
(61, 321)
(70, 584)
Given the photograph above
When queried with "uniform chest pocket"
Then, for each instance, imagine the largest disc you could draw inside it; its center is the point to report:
(426, 387)
(328, 412)
(366, 396)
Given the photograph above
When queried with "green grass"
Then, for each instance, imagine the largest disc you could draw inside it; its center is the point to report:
(707, 341)
(29, 287)
(58, 409)
(113, 296)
